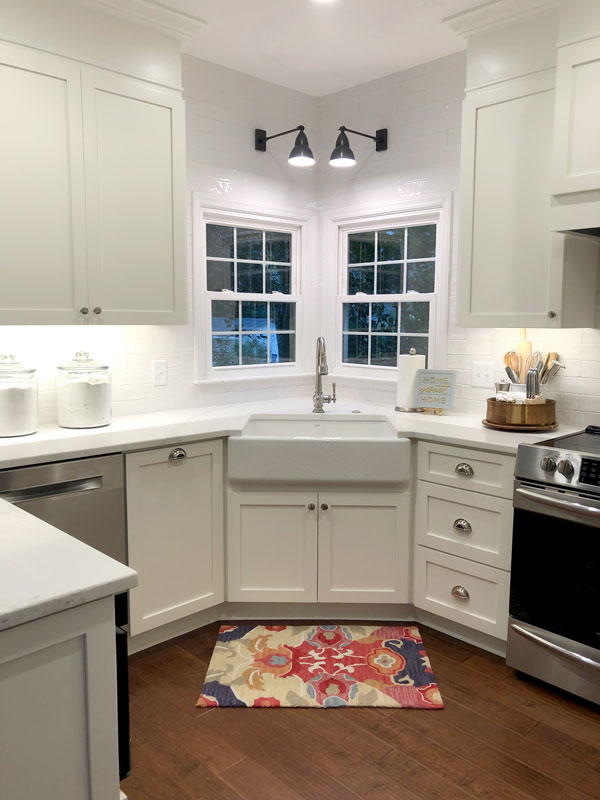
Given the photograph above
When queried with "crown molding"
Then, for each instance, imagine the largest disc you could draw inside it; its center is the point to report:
(494, 13)
(152, 14)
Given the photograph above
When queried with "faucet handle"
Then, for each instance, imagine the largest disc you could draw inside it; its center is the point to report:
(333, 396)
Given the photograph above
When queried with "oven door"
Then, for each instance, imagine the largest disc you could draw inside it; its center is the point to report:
(555, 556)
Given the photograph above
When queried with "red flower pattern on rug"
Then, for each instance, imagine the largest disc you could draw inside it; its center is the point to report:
(321, 666)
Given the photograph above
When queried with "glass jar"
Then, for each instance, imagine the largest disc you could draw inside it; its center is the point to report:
(83, 393)
(18, 398)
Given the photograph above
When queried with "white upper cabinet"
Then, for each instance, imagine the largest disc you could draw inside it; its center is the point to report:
(576, 158)
(42, 202)
(513, 272)
(92, 222)
(135, 184)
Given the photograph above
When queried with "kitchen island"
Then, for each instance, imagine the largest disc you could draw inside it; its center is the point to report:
(58, 727)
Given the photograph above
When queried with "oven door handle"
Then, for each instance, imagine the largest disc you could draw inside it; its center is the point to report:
(555, 648)
(564, 505)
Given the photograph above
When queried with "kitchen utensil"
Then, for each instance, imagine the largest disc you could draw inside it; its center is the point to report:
(502, 386)
(524, 350)
(513, 360)
(544, 369)
(533, 388)
(511, 374)
(533, 359)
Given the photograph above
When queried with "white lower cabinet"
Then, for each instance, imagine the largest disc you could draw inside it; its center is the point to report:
(58, 695)
(175, 529)
(463, 536)
(364, 547)
(463, 591)
(272, 546)
(318, 546)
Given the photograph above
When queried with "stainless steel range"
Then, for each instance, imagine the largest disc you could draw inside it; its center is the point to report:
(554, 623)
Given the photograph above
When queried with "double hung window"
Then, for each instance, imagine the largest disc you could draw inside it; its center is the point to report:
(388, 299)
(250, 287)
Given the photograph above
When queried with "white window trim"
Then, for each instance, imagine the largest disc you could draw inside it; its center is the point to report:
(336, 224)
(303, 277)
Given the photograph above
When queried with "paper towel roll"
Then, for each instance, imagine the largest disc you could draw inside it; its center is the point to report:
(407, 381)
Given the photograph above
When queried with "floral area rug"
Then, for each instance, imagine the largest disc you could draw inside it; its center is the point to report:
(319, 666)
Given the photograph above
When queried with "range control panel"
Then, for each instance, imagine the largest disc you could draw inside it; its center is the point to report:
(590, 471)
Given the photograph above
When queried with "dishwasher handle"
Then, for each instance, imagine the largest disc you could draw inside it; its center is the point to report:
(51, 489)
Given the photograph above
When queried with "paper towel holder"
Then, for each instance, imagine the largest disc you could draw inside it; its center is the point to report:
(411, 352)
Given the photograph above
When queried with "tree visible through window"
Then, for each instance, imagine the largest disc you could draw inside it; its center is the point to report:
(250, 261)
(391, 266)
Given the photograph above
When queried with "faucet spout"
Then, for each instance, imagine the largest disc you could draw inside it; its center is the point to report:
(321, 369)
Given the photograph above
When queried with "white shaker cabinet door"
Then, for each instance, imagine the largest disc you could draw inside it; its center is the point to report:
(135, 187)
(507, 276)
(576, 157)
(272, 546)
(42, 207)
(364, 547)
(175, 530)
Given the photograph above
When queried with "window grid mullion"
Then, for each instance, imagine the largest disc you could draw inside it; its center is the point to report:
(268, 332)
(235, 283)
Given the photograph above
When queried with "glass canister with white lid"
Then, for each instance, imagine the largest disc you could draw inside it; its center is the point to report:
(18, 398)
(83, 388)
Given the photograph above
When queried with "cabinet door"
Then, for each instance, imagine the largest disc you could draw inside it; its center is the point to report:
(42, 204)
(364, 547)
(175, 529)
(135, 185)
(507, 277)
(576, 156)
(272, 546)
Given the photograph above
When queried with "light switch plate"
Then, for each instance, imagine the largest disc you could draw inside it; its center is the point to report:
(482, 374)
(160, 376)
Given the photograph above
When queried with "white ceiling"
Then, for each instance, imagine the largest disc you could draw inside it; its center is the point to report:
(321, 47)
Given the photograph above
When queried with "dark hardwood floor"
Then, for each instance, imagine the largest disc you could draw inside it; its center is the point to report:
(498, 737)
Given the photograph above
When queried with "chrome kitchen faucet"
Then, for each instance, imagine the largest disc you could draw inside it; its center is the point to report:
(321, 369)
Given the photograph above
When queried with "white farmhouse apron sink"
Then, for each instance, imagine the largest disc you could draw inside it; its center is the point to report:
(334, 450)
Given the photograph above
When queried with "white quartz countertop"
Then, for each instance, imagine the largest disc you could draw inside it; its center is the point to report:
(44, 571)
(128, 433)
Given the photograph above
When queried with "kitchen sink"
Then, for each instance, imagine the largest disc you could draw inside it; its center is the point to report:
(337, 450)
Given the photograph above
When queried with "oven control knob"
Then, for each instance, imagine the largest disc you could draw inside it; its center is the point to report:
(548, 464)
(566, 468)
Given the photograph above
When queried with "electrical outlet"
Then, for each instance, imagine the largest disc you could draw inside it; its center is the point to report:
(482, 374)
(160, 375)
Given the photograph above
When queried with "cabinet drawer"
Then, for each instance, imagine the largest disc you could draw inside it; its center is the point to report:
(466, 524)
(477, 470)
(439, 577)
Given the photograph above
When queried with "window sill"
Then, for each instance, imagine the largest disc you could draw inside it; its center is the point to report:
(290, 379)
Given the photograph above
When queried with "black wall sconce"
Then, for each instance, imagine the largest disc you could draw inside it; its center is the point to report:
(300, 155)
(342, 155)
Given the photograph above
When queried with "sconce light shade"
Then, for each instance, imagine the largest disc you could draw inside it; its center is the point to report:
(342, 155)
(301, 155)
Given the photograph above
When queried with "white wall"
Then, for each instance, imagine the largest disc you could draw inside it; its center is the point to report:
(421, 108)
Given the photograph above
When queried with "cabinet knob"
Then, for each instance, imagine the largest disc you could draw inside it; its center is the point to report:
(178, 454)
(97, 310)
(84, 310)
(552, 315)
(462, 525)
(460, 593)
(464, 469)
(324, 506)
(311, 506)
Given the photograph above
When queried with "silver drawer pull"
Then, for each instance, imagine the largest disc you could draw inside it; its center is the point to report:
(177, 454)
(460, 593)
(462, 525)
(464, 469)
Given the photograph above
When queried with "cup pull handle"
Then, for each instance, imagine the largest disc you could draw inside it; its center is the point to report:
(462, 525)
(460, 593)
(177, 454)
(464, 469)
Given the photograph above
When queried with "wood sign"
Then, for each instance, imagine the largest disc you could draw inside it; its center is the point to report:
(435, 389)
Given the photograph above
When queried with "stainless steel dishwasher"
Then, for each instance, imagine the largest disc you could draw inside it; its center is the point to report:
(86, 499)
